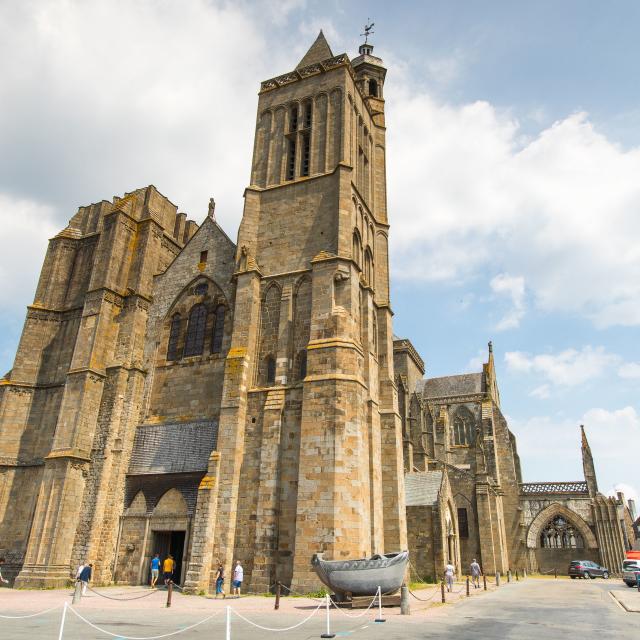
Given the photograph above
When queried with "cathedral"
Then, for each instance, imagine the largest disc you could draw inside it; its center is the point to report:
(177, 392)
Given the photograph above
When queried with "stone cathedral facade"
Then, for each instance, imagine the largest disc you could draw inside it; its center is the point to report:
(176, 391)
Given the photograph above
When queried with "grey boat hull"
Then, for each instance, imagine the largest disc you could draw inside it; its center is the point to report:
(362, 577)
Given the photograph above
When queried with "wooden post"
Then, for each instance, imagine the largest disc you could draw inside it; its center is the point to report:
(442, 591)
(555, 573)
(517, 576)
(468, 586)
(169, 592)
(277, 606)
(497, 578)
(509, 576)
(484, 580)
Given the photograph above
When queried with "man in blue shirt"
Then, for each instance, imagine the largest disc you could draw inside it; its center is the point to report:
(85, 576)
(155, 570)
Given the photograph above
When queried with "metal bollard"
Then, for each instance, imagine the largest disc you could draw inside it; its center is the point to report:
(468, 587)
(497, 578)
(442, 591)
(169, 592)
(327, 633)
(77, 594)
(277, 606)
(404, 601)
(484, 580)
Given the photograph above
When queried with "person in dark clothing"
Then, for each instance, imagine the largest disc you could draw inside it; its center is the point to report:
(85, 576)
(220, 581)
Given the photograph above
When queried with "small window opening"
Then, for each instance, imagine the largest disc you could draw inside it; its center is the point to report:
(291, 160)
(463, 523)
(203, 256)
(271, 370)
(373, 88)
(302, 365)
(201, 289)
(306, 151)
(293, 118)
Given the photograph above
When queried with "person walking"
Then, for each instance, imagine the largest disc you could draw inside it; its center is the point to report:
(85, 576)
(449, 573)
(220, 582)
(168, 566)
(1, 578)
(155, 570)
(81, 566)
(238, 576)
(476, 572)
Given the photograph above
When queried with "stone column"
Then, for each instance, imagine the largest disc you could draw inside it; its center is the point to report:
(199, 569)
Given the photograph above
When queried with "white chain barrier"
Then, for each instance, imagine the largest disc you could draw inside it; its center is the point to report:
(299, 624)
(359, 615)
(31, 615)
(119, 635)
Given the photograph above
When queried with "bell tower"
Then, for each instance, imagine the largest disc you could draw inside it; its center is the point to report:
(313, 354)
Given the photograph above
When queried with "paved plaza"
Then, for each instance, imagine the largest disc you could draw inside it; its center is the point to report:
(523, 610)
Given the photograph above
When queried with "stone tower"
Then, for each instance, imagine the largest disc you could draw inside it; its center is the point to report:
(312, 338)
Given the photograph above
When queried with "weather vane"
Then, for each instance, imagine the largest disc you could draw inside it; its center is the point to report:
(368, 30)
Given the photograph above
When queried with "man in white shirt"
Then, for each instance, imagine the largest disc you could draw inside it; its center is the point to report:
(449, 573)
(476, 572)
(238, 576)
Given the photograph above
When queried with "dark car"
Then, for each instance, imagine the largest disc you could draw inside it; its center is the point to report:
(587, 569)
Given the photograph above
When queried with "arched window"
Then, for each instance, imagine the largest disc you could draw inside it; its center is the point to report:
(174, 337)
(218, 329)
(368, 267)
(463, 424)
(357, 248)
(302, 365)
(194, 341)
(373, 87)
(560, 534)
(271, 369)
(374, 333)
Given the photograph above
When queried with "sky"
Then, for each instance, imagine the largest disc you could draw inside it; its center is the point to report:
(513, 133)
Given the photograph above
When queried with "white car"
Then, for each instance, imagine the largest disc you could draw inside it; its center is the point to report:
(630, 572)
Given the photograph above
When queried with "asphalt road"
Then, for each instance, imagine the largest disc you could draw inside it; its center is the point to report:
(532, 609)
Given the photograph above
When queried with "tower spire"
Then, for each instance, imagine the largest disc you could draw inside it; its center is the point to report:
(587, 464)
(318, 51)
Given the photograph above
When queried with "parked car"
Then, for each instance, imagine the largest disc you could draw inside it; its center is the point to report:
(630, 572)
(587, 569)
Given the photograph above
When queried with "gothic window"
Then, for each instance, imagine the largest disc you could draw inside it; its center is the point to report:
(463, 523)
(373, 87)
(307, 115)
(357, 248)
(201, 289)
(271, 369)
(293, 118)
(306, 153)
(560, 534)
(291, 159)
(194, 341)
(174, 337)
(368, 267)
(218, 329)
(463, 426)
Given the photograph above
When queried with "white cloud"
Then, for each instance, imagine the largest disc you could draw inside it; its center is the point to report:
(567, 368)
(561, 209)
(513, 288)
(550, 446)
(543, 392)
(630, 370)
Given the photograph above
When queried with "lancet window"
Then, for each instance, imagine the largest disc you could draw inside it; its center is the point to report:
(194, 341)
(561, 534)
(174, 337)
(218, 329)
(463, 427)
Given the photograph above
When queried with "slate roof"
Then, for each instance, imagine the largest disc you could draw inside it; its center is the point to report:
(422, 489)
(462, 385)
(178, 447)
(319, 51)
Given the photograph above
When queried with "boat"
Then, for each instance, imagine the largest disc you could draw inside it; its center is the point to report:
(362, 577)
